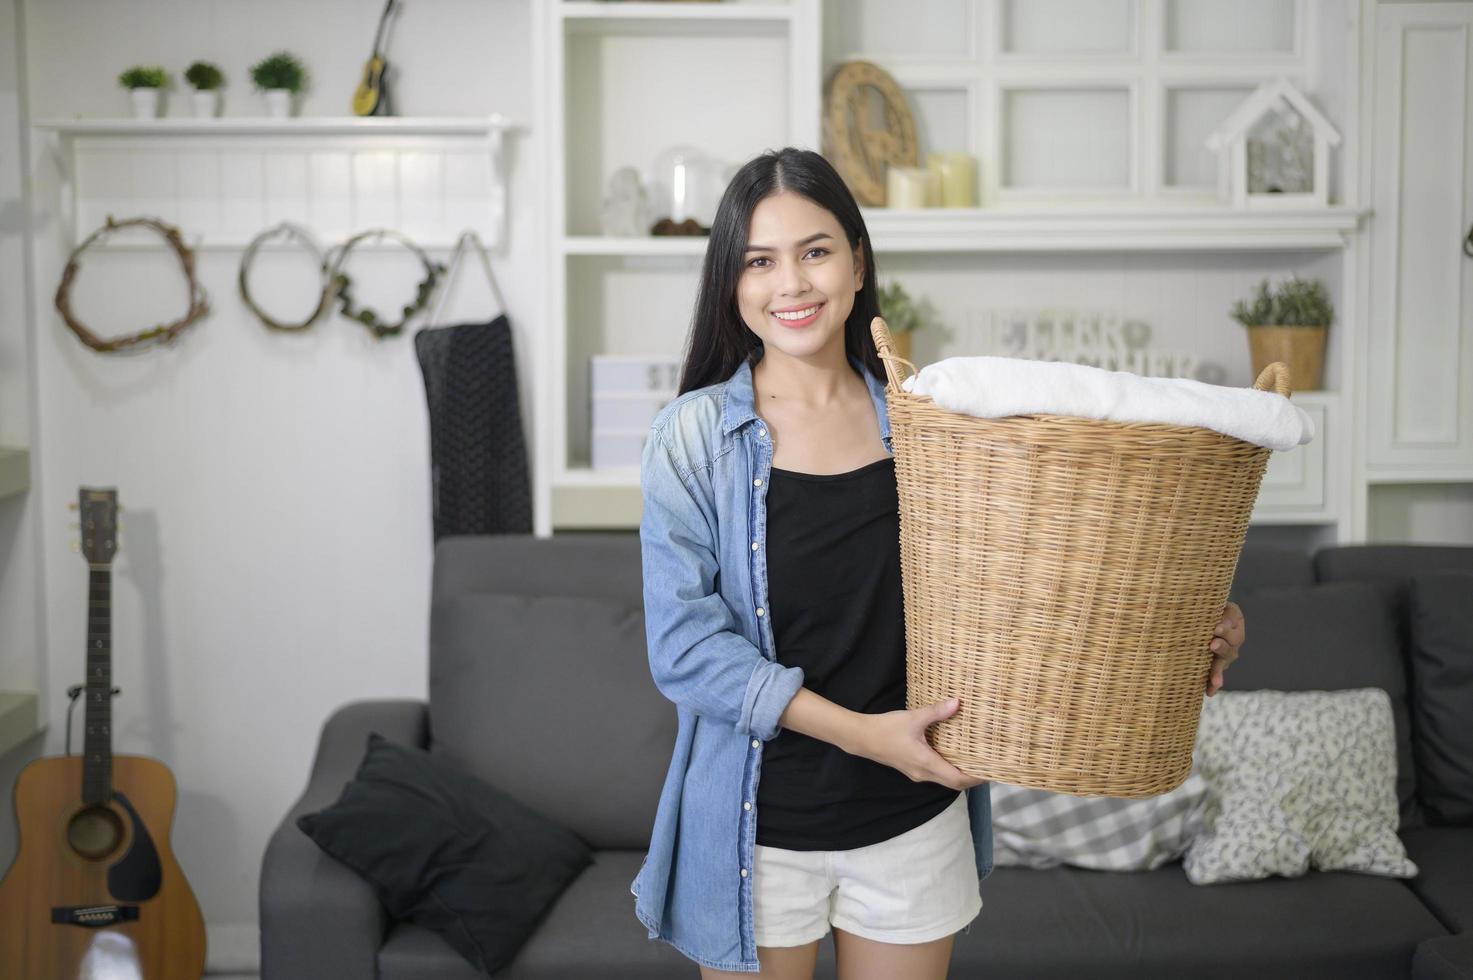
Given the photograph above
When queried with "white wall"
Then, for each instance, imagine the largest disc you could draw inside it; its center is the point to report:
(276, 544)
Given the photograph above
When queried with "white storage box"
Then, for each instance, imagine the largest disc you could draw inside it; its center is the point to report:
(618, 448)
(628, 410)
(629, 373)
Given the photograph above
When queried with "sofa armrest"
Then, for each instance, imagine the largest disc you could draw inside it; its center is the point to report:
(318, 918)
(1444, 958)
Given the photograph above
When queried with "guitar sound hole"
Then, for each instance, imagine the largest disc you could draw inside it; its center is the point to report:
(94, 832)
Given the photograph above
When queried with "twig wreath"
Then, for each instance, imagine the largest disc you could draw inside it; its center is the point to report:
(340, 283)
(325, 294)
(199, 303)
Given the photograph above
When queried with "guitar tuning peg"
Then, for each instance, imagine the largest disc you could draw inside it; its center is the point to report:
(76, 546)
(76, 525)
(71, 505)
(120, 508)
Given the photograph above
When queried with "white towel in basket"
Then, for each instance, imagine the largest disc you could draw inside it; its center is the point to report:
(995, 387)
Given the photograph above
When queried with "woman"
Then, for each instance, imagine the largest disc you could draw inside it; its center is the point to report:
(774, 615)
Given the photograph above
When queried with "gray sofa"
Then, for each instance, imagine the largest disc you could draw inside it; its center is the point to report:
(539, 684)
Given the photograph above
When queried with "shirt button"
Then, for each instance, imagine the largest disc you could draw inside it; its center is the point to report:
(747, 805)
(757, 482)
(755, 743)
(744, 872)
(762, 432)
(759, 610)
(754, 546)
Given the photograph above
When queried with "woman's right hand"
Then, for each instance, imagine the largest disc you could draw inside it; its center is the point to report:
(898, 739)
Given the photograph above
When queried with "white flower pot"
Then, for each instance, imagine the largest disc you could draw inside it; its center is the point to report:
(145, 102)
(206, 103)
(278, 102)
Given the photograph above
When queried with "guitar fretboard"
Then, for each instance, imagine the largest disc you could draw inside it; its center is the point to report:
(97, 764)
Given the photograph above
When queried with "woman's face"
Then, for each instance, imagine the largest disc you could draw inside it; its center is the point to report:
(797, 258)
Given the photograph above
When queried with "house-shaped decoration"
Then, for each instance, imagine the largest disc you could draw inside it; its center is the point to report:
(1274, 150)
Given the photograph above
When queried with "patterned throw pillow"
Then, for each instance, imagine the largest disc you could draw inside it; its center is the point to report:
(1298, 779)
(1034, 828)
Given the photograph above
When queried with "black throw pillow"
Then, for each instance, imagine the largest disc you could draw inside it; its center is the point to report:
(447, 851)
(1442, 693)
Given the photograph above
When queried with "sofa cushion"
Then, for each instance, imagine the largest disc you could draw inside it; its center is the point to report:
(1298, 779)
(448, 852)
(590, 934)
(1035, 828)
(1328, 638)
(1441, 610)
(549, 698)
(1444, 958)
(1444, 855)
(1066, 923)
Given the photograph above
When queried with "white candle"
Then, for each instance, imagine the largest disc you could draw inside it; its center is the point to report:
(911, 187)
(958, 176)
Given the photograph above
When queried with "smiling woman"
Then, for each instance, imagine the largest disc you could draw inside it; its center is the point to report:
(775, 620)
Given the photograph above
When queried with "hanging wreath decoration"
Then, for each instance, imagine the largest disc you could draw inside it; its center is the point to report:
(340, 283)
(325, 294)
(164, 333)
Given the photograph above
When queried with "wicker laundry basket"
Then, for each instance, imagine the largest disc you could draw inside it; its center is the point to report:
(1062, 578)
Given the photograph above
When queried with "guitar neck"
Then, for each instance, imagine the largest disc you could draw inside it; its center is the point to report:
(97, 765)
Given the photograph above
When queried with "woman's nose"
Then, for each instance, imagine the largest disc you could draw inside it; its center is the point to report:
(791, 280)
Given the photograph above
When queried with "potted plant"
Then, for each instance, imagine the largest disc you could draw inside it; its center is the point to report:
(206, 79)
(281, 76)
(1288, 324)
(144, 85)
(901, 315)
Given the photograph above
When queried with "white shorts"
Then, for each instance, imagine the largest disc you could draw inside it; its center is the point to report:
(915, 887)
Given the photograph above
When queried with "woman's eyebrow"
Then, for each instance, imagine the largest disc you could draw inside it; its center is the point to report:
(810, 238)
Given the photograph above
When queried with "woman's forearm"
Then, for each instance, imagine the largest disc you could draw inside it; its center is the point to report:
(817, 716)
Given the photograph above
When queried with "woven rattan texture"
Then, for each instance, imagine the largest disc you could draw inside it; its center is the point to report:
(1062, 577)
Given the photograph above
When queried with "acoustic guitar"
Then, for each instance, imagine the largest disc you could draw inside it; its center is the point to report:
(371, 98)
(94, 890)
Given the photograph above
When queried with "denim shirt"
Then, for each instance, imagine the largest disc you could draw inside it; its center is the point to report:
(710, 642)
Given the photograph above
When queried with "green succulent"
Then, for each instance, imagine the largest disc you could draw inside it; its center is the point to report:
(1295, 302)
(142, 76)
(204, 76)
(279, 70)
(899, 310)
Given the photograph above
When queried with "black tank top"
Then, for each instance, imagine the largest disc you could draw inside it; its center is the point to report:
(834, 592)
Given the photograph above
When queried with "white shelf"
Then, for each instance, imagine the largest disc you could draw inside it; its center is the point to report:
(675, 19)
(18, 719)
(267, 126)
(15, 471)
(1082, 229)
(223, 181)
(1107, 229)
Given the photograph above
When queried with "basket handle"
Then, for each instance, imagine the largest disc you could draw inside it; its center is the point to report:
(881, 334)
(1279, 372)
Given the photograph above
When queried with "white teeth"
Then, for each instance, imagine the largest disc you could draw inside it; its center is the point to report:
(799, 315)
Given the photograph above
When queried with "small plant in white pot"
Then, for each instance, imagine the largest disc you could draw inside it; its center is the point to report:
(205, 78)
(144, 84)
(281, 76)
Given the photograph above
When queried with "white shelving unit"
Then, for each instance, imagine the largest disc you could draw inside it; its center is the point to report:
(224, 180)
(996, 84)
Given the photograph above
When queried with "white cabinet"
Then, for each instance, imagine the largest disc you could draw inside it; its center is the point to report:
(1419, 369)
(1294, 487)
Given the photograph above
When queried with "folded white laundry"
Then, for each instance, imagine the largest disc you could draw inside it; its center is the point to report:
(996, 387)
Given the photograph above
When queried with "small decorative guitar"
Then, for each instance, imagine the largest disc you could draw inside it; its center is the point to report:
(94, 890)
(372, 95)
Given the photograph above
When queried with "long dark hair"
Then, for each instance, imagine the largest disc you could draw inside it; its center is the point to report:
(719, 339)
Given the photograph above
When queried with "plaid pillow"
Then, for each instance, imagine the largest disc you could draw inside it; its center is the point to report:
(1034, 828)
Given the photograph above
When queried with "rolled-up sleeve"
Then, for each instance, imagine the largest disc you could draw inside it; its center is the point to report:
(697, 657)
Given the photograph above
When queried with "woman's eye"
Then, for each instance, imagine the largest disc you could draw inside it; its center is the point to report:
(816, 248)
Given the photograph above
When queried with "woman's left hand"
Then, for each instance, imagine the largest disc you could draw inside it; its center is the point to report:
(1226, 639)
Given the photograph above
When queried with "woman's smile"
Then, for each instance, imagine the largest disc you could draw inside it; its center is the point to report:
(795, 318)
